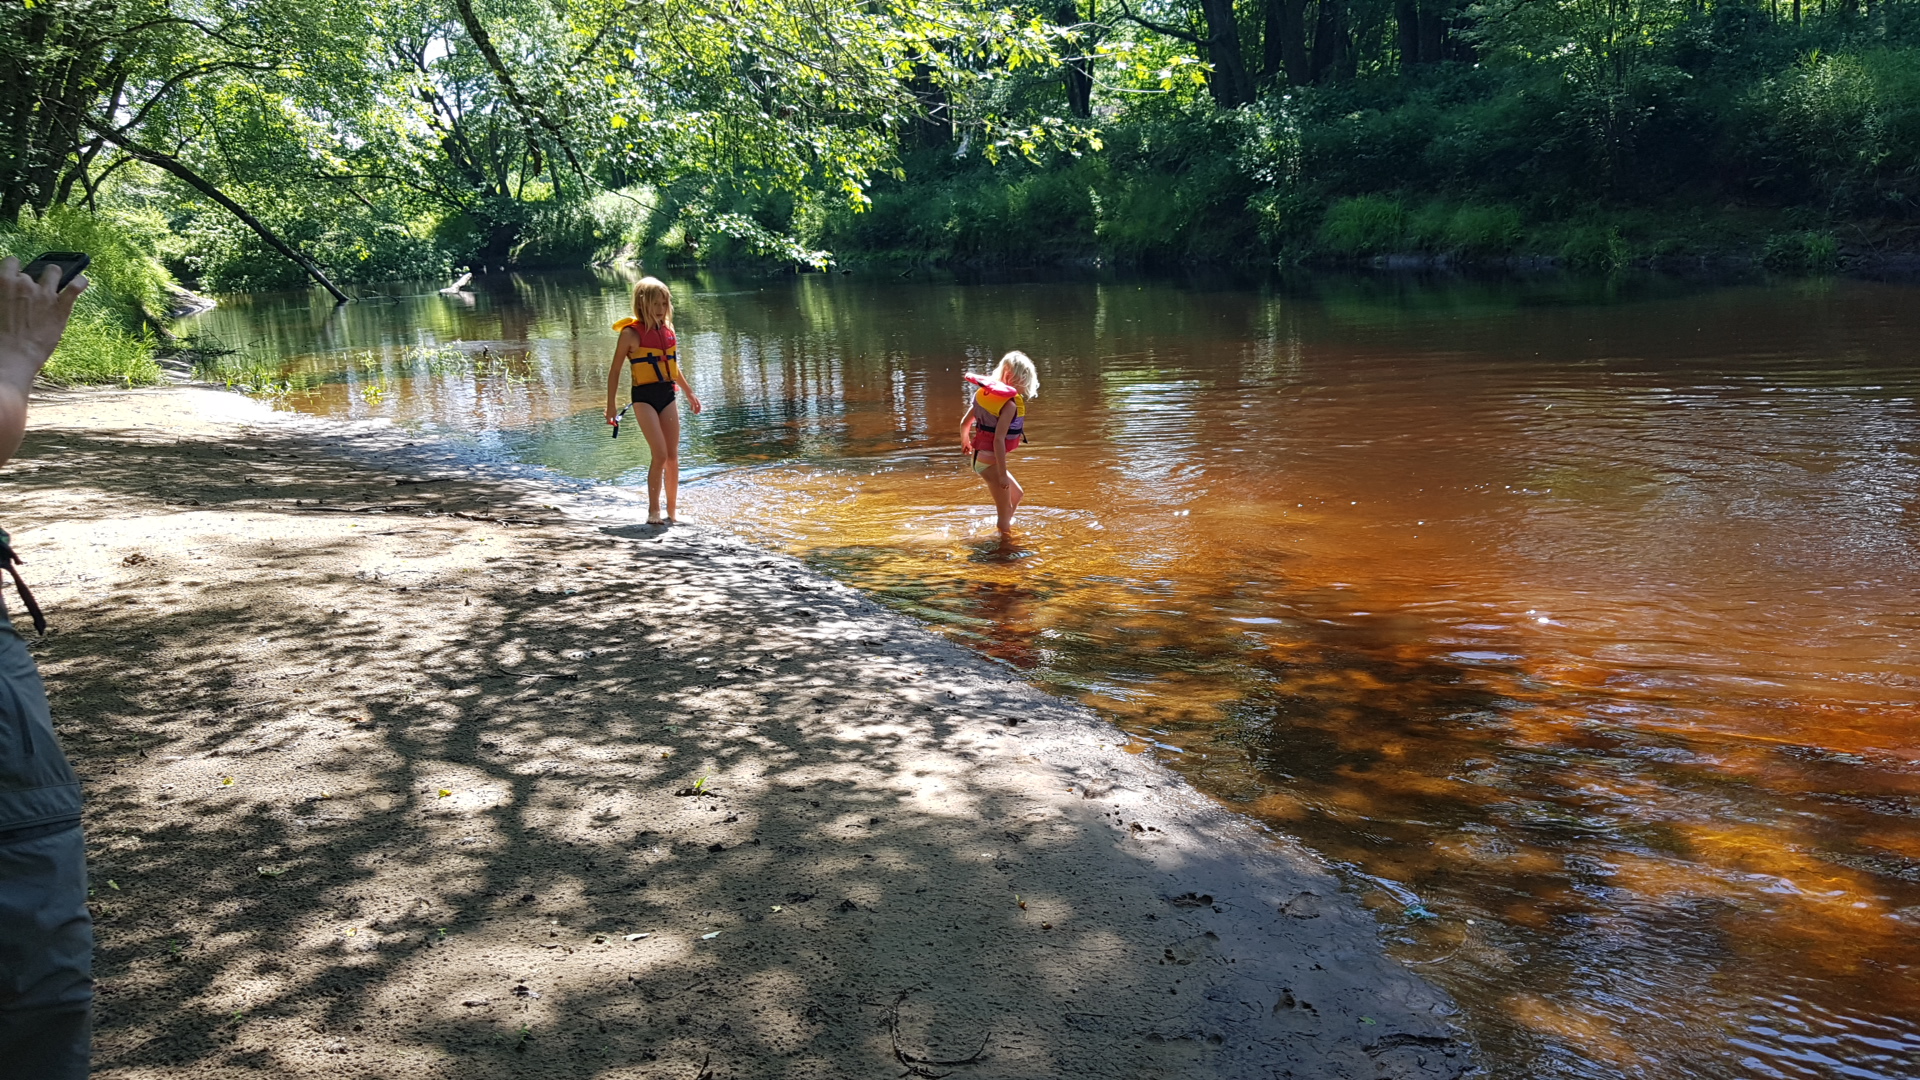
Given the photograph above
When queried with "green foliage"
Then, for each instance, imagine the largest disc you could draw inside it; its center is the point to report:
(125, 277)
(253, 375)
(1840, 128)
(1596, 247)
(1022, 215)
(1801, 252)
(1483, 230)
(99, 349)
(107, 340)
(226, 256)
(1365, 225)
(406, 138)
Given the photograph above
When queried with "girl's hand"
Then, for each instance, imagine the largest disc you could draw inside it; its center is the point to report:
(612, 416)
(694, 402)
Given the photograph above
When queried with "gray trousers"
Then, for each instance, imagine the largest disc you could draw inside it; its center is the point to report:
(46, 954)
(46, 934)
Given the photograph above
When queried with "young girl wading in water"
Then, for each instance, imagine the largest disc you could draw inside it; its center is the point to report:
(994, 425)
(647, 341)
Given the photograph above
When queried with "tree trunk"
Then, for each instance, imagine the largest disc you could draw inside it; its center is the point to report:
(1077, 72)
(1406, 17)
(198, 183)
(1286, 42)
(1330, 41)
(1433, 32)
(1230, 82)
(51, 63)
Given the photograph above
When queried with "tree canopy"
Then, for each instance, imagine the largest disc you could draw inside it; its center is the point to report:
(268, 140)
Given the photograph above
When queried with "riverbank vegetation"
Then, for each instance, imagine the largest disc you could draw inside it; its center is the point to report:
(269, 144)
(1593, 135)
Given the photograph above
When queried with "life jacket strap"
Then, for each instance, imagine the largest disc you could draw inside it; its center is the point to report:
(662, 366)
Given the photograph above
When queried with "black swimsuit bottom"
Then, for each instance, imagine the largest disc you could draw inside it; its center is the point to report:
(657, 394)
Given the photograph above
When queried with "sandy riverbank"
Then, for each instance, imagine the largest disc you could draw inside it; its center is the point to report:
(475, 778)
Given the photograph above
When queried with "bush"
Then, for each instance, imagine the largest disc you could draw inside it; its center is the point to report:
(1367, 225)
(1596, 247)
(1843, 129)
(611, 225)
(1483, 230)
(1801, 252)
(126, 276)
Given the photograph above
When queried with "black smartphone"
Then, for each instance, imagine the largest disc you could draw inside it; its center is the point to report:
(69, 262)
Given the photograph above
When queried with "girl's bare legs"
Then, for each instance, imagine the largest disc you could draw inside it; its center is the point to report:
(999, 483)
(670, 429)
(659, 450)
(1018, 493)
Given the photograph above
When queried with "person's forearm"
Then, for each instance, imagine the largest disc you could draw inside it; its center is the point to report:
(13, 421)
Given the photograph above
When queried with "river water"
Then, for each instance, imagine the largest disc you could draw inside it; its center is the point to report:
(1574, 620)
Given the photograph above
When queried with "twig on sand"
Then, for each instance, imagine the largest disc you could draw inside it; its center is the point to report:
(570, 676)
(428, 480)
(706, 1072)
(370, 508)
(917, 1065)
(496, 520)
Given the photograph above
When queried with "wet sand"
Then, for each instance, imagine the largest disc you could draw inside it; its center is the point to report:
(477, 777)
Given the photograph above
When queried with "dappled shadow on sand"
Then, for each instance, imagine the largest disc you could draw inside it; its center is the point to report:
(395, 780)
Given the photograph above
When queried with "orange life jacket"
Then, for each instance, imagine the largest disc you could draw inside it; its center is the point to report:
(658, 349)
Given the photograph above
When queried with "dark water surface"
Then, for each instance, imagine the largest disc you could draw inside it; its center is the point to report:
(1576, 621)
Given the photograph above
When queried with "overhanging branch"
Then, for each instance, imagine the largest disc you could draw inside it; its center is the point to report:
(194, 180)
(530, 114)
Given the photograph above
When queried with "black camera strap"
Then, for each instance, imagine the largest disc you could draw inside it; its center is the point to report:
(12, 563)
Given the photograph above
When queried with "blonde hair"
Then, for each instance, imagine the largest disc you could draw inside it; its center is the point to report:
(1015, 368)
(648, 292)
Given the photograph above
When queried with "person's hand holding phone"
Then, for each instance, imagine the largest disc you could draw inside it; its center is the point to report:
(34, 308)
(33, 315)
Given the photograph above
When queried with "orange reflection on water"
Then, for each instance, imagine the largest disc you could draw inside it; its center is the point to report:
(1586, 650)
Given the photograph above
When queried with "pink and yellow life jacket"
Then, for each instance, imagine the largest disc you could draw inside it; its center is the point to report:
(988, 401)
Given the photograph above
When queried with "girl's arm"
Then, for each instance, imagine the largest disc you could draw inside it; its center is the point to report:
(680, 380)
(620, 351)
(1001, 422)
(966, 428)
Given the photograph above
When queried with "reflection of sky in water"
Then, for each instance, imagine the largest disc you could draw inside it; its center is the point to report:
(1154, 427)
(1586, 627)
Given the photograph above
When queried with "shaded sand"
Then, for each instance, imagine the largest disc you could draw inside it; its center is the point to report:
(478, 779)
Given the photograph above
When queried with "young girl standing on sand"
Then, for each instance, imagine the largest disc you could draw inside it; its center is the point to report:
(647, 341)
(995, 423)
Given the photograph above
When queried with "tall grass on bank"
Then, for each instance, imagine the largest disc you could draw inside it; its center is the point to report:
(108, 341)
